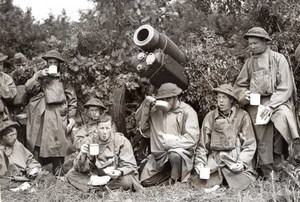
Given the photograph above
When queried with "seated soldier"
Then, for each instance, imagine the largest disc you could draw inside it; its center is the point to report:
(227, 143)
(15, 160)
(95, 108)
(112, 163)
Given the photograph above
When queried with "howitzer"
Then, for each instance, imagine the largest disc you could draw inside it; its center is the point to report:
(162, 61)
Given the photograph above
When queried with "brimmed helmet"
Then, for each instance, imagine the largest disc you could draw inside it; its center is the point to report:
(94, 102)
(167, 90)
(257, 32)
(6, 124)
(53, 54)
(226, 89)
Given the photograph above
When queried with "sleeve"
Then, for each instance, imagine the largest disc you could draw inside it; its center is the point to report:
(284, 84)
(82, 163)
(202, 149)
(127, 162)
(81, 138)
(34, 84)
(31, 163)
(242, 84)
(142, 116)
(8, 88)
(191, 131)
(248, 141)
(72, 101)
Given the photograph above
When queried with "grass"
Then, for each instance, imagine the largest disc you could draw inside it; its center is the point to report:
(51, 189)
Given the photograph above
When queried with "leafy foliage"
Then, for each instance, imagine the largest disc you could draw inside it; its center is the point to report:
(99, 47)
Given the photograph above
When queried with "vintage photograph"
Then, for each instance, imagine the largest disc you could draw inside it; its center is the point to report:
(150, 100)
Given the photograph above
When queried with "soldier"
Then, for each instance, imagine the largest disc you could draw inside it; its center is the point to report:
(112, 164)
(267, 73)
(7, 90)
(95, 108)
(51, 112)
(18, 108)
(173, 131)
(15, 159)
(227, 144)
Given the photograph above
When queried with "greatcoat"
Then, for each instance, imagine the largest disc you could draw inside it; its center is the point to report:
(225, 141)
(182, 122)
(49, 108)
(269, 75)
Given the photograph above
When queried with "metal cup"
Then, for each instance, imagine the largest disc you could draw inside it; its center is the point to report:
(94, 149)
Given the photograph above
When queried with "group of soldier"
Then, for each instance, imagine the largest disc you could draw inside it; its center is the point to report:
(231, 144)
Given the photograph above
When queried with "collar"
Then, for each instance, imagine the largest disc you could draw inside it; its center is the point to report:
(266, 52)
(220, 114)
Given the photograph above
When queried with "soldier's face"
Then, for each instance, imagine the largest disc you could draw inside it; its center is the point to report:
(224, 102)
(171, 101)
(257, 45)
(52, 61)
(20, 67)
(94, 112)
(10, 136)
(104, 129)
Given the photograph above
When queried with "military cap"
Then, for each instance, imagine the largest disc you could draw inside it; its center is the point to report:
(167, 90)
(19, 58)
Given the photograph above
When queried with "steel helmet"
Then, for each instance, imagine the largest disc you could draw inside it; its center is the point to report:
(94, 102)
(53, 54)
(227, 89)
(257, 32)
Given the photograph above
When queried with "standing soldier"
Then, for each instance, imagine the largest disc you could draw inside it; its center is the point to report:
(7, 90)
(51, 112)
(267, 73)
(20, 75)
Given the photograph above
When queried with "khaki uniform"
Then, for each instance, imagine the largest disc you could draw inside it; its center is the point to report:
(117, 148)
(181, 122)
(224, 141)
(269, 74)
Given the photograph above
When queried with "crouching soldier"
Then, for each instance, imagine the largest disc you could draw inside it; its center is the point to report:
(15, 160)
(173, 129)
(227, 144)
(107, 159)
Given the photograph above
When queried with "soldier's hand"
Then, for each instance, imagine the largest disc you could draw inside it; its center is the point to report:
(45, 72)
(84, 148)
(114, 174)
(70, 125)
(150, 101)
(198, 168)
(237, 167)
(266, 113)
